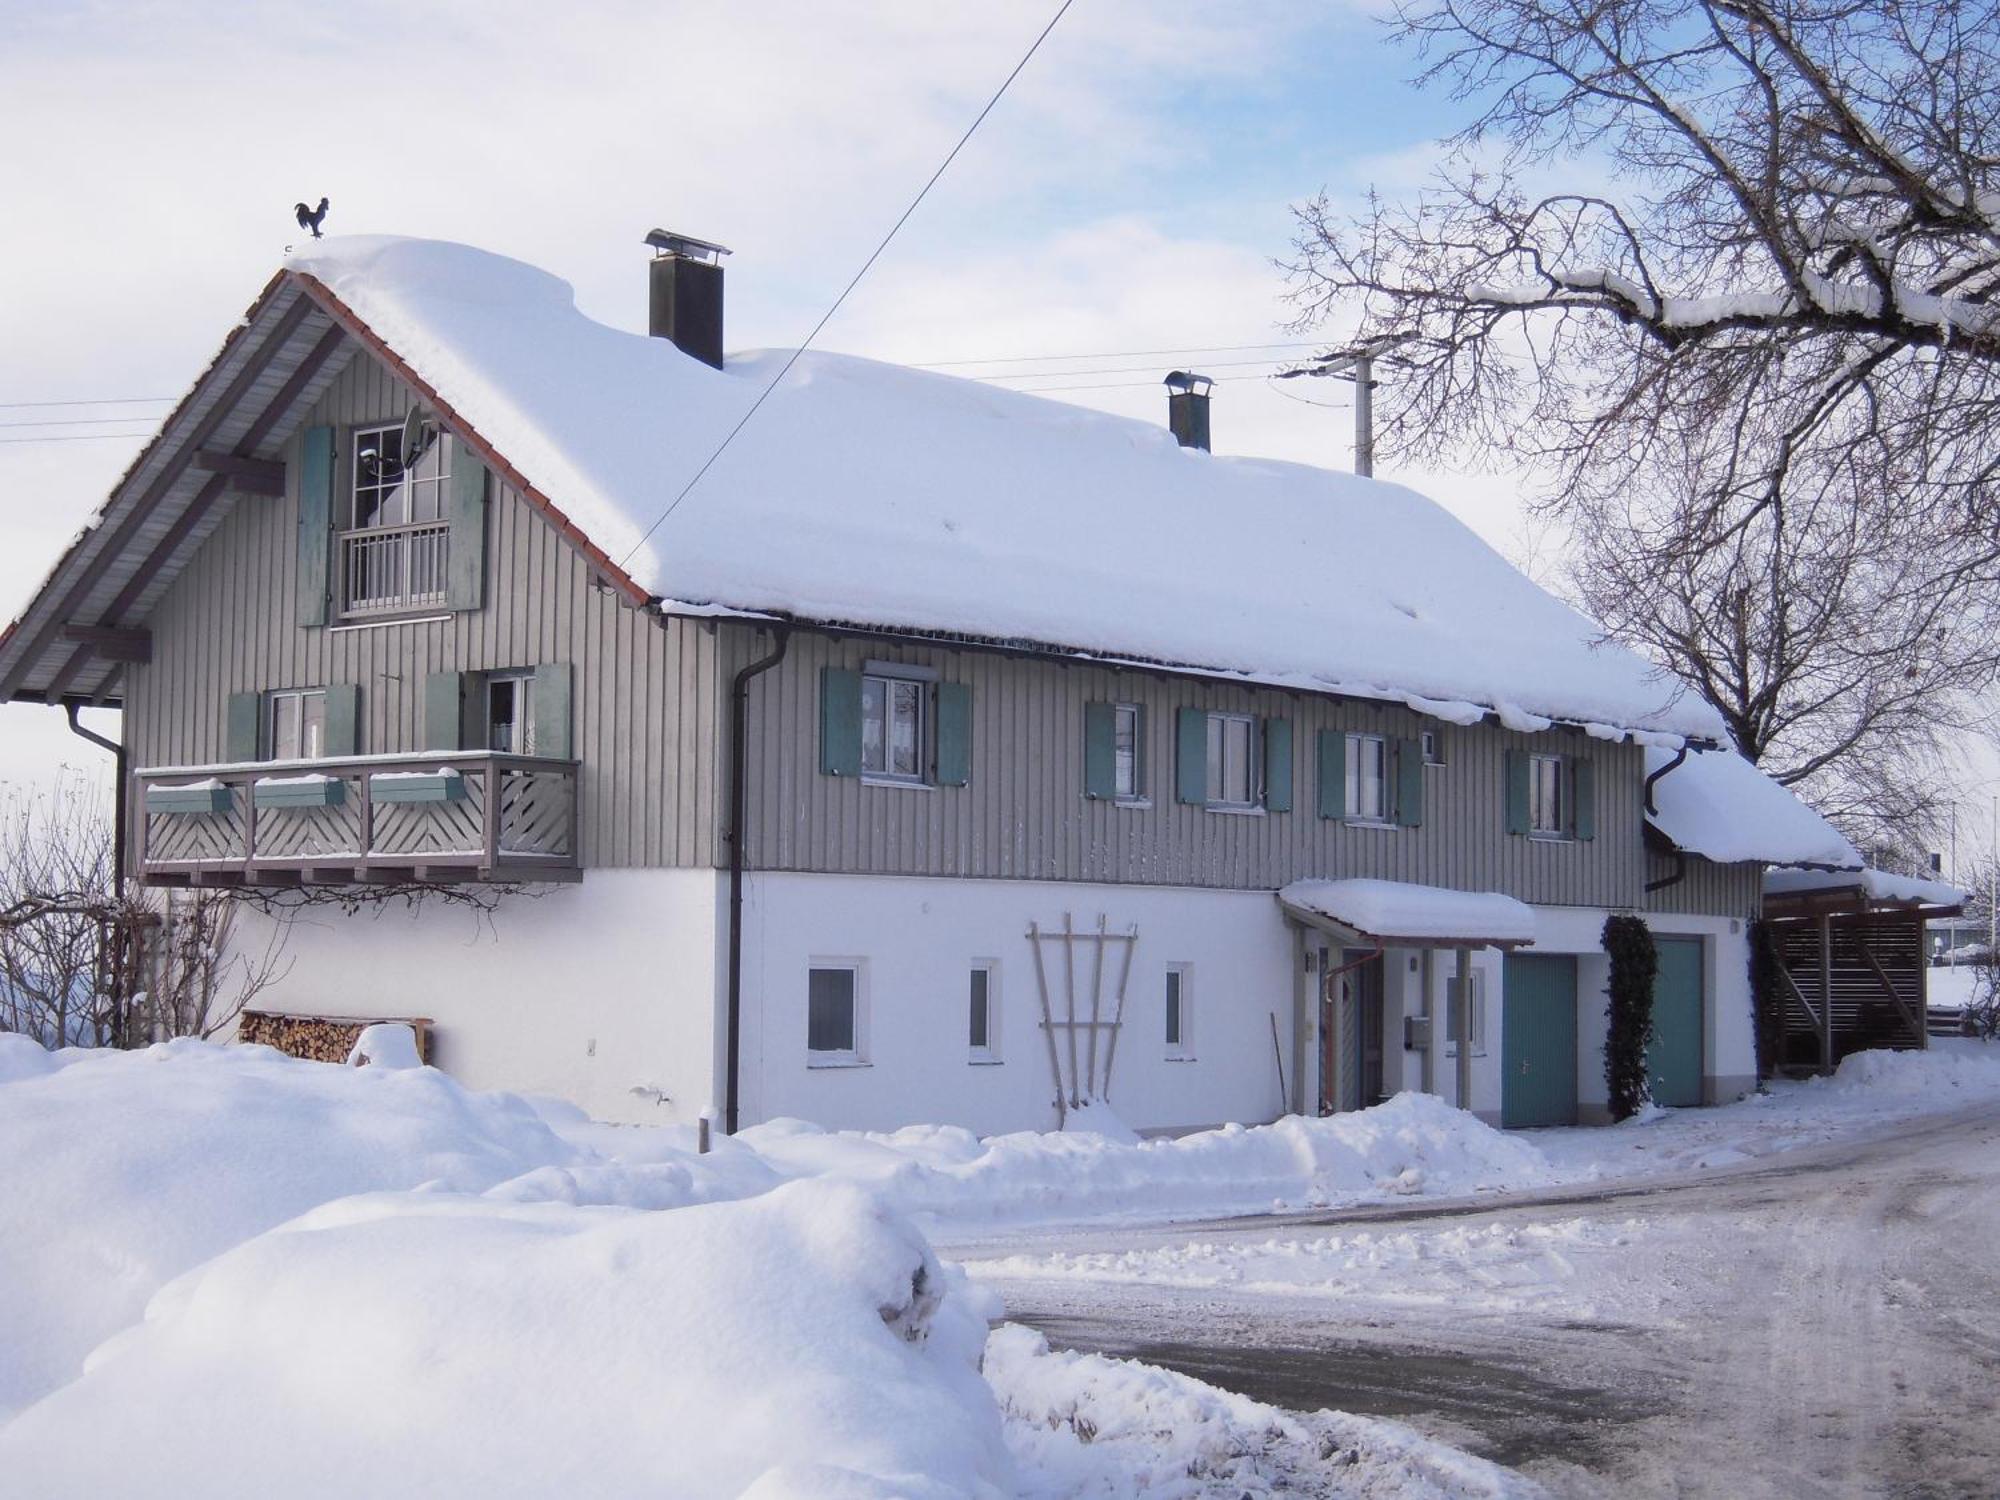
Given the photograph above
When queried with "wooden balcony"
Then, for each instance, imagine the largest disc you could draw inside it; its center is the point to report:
(371, 819)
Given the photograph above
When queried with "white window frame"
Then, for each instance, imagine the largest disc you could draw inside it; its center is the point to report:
(524, 711)
(1178, 984)
(1384, 805)
(989, 1054)
(1432, 742)
(1478, 1013)
(1131, 791)
(1548, 778)
(886, 683)
(425, 491)
(1218, 764)
(300, 696)
(854, 1056)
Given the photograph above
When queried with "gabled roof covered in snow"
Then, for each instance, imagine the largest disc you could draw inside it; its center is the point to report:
(868, 495)
(1716, 804)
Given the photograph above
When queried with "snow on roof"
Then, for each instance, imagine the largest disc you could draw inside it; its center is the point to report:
(1875, 885)
(1716, 804)
(868, 494)
(1390, 909)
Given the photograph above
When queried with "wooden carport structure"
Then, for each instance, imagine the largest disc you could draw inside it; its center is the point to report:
(1850, 954)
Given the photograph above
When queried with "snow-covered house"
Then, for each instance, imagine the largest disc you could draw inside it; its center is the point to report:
(944, 753)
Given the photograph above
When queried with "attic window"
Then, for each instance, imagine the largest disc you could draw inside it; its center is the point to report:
(395, 545)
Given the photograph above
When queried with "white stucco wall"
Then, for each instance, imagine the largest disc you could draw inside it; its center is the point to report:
(588, 991)
(915, 942)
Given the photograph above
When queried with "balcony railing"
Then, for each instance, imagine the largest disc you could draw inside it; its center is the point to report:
(479, 816)
(394, 569)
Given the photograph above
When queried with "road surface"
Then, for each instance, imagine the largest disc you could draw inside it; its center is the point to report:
(1821, 1324)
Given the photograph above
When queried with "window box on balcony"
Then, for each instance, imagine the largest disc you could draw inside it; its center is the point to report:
(196, 798)
(299, 791)
(417, 786)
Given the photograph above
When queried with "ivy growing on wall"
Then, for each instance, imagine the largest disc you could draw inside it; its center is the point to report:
(1767, 998)
(1634, 961)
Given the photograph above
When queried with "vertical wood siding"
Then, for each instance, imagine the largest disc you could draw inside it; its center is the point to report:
(1710, 889)
(1025, 816)
(645, 689)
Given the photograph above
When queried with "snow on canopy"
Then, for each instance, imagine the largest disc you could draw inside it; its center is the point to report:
(863, 493)
(1395, 909)
(1723, 808)
(1872, 884)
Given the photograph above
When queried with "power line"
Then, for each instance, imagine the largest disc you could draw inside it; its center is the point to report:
(1036, 359)
(75, 421)
(923, 192)
(1220, 364)
(100, 401)
(80, 437)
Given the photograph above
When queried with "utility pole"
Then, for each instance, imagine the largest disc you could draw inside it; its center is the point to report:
(1357, 365)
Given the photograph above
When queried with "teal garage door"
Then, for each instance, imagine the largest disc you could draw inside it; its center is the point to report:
(1538, 1040)
(1673, 1062)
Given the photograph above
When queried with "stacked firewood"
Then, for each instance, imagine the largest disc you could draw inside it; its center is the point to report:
(321, 1038)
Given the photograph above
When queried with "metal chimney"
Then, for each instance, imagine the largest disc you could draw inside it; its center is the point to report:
(1187, 408)
(684, 302)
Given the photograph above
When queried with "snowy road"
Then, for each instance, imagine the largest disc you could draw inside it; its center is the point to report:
(1825, 1323)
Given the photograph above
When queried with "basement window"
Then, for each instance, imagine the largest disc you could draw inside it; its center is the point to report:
(982, 1031)
(833, 1015)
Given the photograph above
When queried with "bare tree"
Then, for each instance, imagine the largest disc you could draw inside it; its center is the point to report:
(83, 964)
(1738, 257)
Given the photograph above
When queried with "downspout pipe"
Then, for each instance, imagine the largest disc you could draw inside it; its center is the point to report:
(117, 750)
(739, 702)
(1680, 856)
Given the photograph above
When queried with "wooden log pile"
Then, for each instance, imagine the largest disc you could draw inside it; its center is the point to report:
(322, 1038)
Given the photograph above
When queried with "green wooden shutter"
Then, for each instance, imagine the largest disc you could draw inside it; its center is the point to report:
(1191, 757)
(315, 523)
(1100, 739)
(954, 734)
(1332, 773)
(342, 734)
(549, 706)
(444, 711)
(1278, 765)
(1409, 783)
(1517, 791)
(1583, 801)
(839, 722)
(240, 723)
(465, 561)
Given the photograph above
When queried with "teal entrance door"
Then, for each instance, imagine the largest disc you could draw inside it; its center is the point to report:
(1673, 1062)
(1538, 1040)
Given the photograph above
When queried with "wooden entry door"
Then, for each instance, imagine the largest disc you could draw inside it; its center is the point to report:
(1673, 1062)
(1351, 1031)
(1538, 1040)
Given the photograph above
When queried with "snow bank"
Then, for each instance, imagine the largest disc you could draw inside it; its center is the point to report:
(863, 493)
(1395, 909)
(122, 1170)
(1414, 1143)
(806, 1343)
(1952, 1066)
(1087, 1425)
(1723, 808)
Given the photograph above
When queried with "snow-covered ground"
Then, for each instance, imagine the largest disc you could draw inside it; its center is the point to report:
(287, 1277)
(394, 1285)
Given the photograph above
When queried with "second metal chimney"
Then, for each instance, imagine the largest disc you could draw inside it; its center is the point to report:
(1187, 408)
(684, 296)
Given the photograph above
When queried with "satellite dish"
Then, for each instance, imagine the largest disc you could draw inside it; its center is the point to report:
(419, 432)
